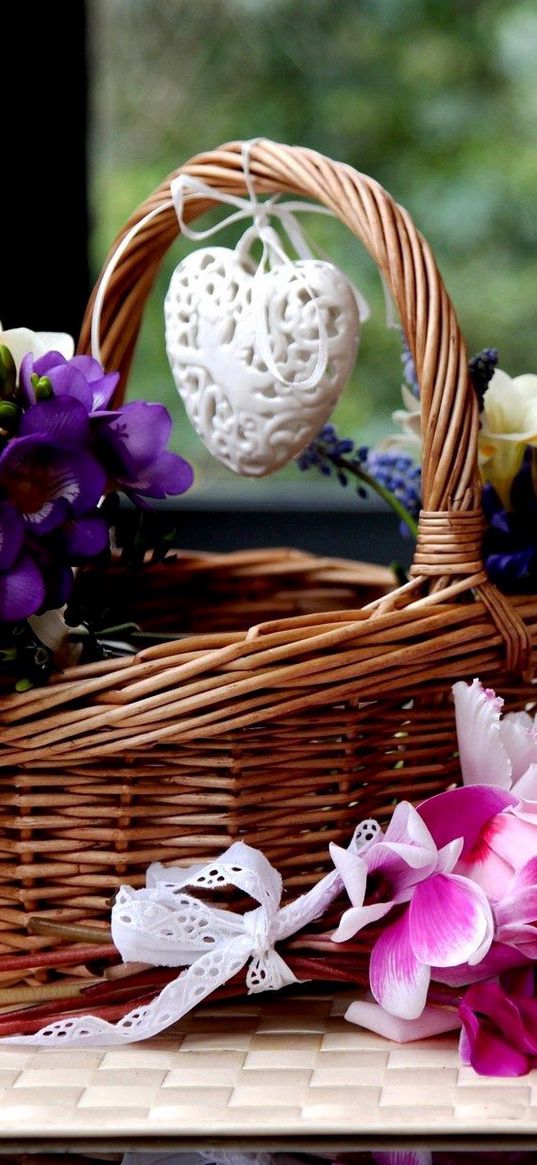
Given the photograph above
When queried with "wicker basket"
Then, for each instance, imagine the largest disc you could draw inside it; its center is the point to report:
(288, 720)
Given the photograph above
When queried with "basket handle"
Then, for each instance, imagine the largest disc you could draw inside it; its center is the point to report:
(451, 523)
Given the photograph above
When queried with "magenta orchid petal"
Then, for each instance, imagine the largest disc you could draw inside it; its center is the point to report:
(405, 855)
(448, 856)
(483, 758)
(398, 980)
(485, 1050)
(406, 827)
(357, 917)
(352, 871)
(432, 1021)
(22, 590)
(464, 813)
(499, 957)
(516, 913)
(500, 1022)
(449, 920)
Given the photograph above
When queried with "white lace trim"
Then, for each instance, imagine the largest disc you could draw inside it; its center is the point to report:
(163, 925)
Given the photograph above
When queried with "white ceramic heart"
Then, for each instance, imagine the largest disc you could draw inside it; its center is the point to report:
(245, 415)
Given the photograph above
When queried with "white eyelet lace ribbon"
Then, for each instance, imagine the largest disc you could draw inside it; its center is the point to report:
(165, 926)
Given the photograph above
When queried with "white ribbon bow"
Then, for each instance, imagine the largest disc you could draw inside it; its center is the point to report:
(165, 926)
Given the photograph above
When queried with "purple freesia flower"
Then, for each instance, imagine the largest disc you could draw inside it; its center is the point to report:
(131, 443)
(81, 378)
(54, 470)
(48, 483)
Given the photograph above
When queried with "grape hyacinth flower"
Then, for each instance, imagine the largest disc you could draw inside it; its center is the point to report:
(394, 476)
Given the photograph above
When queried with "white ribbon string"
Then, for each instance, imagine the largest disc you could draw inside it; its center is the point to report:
(109, 270)
(261, 213)
(184, 186)
(163, 925)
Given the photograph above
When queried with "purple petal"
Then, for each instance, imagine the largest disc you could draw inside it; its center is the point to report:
(22, 591)
(25, 379)
(85, 537)
(68, 381)
(483, 758)
(45, 482)
(144, 428)
(90, 478)
(432, 1021)
(398, 980)
(102, 383)
(11, 535)
(32, 482)
(464, 812)
(41, 367)
(449, 921)
(58, 584)
(48, 360)
(61, 418)
(168, 476)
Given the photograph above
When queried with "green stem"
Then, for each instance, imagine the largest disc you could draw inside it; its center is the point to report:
(385, 494)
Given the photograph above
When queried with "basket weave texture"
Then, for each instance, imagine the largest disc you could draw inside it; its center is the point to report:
(303, 694)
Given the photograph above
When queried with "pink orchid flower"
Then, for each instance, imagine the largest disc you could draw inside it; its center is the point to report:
(447, 922)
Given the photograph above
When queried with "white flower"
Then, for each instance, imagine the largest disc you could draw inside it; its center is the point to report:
(409, 421)
(508, 425)
(20, 341)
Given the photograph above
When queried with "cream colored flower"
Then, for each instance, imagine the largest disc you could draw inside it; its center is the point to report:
(409, 421)
(508, 425)
(20, 341)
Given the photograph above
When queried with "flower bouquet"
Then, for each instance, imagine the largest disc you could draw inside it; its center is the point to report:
(64, 450)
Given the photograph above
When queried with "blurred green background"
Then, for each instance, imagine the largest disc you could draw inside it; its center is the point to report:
(437, 99)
